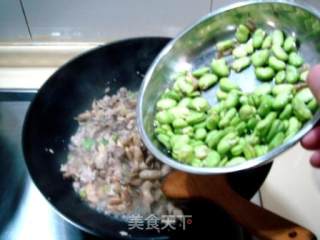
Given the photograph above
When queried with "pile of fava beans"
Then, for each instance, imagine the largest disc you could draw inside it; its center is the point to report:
(241, 126)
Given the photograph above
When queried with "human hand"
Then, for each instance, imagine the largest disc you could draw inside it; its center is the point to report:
(312, 140)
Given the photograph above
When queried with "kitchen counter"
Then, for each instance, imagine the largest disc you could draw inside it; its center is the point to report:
(292, 189)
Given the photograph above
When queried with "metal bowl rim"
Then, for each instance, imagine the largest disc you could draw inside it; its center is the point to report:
(256, 162)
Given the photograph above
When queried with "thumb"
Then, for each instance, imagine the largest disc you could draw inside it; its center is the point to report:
(314, 81)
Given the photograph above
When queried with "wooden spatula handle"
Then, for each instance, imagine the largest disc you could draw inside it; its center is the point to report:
(261, 222)
(258, 221)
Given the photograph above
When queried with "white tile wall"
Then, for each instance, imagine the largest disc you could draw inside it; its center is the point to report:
(12, 23)
(107, 20)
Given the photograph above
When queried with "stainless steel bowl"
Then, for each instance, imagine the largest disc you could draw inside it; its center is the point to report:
(194, 47)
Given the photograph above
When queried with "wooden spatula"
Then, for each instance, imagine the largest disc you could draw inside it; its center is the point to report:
(256, 220)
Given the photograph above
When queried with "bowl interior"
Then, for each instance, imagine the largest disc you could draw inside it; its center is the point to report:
(195, 47)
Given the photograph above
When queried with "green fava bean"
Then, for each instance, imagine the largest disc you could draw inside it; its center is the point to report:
(277, 37)
(252, 139)
(265, 105)
(194, 94)
(223, 161)
(305, 95)
(260, 57)
(249, 151)
(261, 150)
(295, 59)
(195, 117)
(313, 105)
(237, 150)
(180, 112)
(249, 47)
(187, 131)
(244, 100)
(221, 95)
(301, 110)
(282, 88)
(276, 127)
(241, 128)
(280, 77)
(232, 100)
(194, 143)
(265, 73)
(164, 117)
(239, 64)
(227, 142)
(214, 137)
(183, 153)
(219, 67)
(263, 89)
(207, 80)
(293, 127)
(166, 103)
(216, 109)
(199, 104)
(225, 120)
(172, 94)
(227, 85)
(279, 52)
(285, 124)
(276, 64)
(200, 72)
(201, 151)
(252, 123)
(235, 120)
(179, 140)
(281, 100)
(292, 74)
(290, 44)
(246, 112)
(197, 162)
(184, 86)
(254, 100)
(225, 45)
(235, 161)
(165, 140)
(267, 42)
(185, 102)
(258, 37)
(212, 160)
(200, 134)
(166, 127)
(242, 33)
(200, 125)
(212, 120)
(179, 123)
(264, 125)
(286, 112)
(277, 140)
(240, 51)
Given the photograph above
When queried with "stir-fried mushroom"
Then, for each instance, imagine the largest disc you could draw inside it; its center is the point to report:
(111, 168)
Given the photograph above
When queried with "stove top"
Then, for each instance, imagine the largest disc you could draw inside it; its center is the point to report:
(25, 213)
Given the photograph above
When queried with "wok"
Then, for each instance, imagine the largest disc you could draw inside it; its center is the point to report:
(50, 123)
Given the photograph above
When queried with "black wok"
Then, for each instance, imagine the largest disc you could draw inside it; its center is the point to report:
(50, 123)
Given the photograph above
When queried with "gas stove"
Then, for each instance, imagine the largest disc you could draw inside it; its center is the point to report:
(25, 213)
